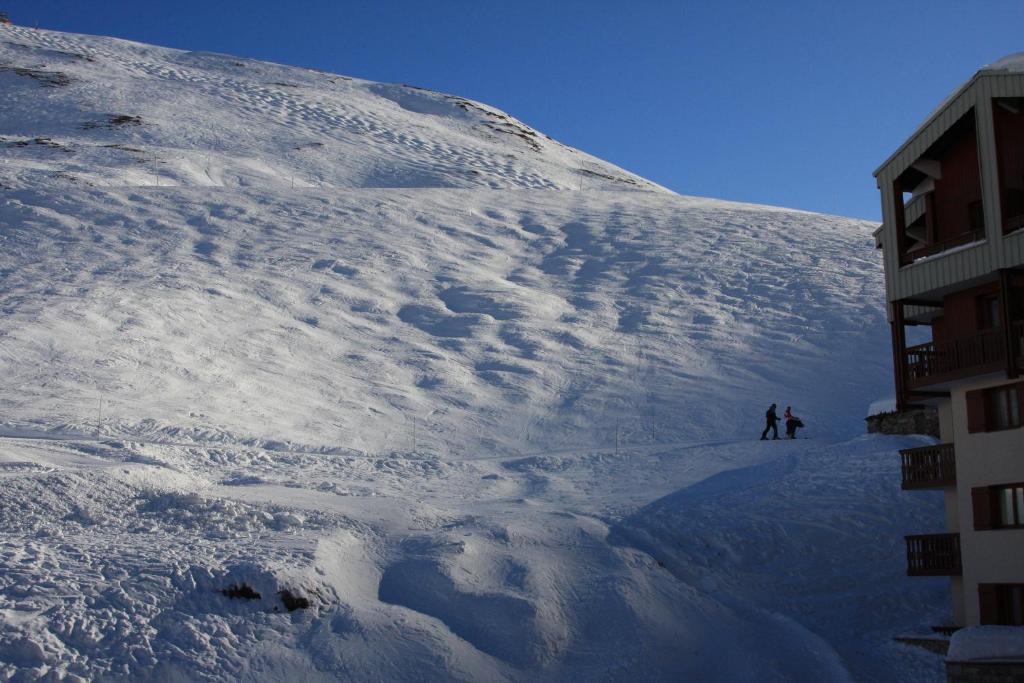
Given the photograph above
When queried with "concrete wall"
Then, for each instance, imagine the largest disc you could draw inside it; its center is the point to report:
(985, 459)
(952, 510)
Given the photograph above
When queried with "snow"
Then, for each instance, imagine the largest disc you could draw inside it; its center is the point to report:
(882, 405)
(1013, 63)
(293, 335)
(980, 643)
(946, 252)
(803, 539)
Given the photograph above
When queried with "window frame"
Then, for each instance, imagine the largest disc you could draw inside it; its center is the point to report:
(986, 413)
(997, 605)
(989, 312)
(1016, 505)
(987, 506)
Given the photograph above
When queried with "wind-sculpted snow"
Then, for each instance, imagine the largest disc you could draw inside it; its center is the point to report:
(129, 114)
(311, 378)
(349, 319)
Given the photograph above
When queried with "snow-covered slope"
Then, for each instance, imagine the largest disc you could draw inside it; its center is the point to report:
(118, 113)
(334, 314)
(399, 354)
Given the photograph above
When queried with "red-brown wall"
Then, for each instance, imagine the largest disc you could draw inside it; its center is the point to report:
(960, 313)
(1010, 151)
(959, 186)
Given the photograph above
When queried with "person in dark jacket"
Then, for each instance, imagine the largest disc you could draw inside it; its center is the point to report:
(772, 423)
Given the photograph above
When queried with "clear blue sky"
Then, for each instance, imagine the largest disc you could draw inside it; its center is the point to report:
(785, 103)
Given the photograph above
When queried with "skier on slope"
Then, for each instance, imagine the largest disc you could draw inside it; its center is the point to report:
(792, 422)
(772, 423)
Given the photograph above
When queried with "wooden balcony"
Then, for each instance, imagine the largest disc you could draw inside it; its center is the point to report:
(934, 555)
(927, 372)
(923, 251)
(928, 467)
(953, 359)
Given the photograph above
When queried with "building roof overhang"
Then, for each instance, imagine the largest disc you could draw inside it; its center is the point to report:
(946, 103)
(1009, 65)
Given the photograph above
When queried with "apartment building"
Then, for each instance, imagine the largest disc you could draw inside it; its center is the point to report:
(953, 247)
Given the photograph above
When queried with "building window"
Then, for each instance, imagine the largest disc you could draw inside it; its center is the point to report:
(998, 507)
(988, 311)
(1001, 603)
(1010, 505)
(1002, 407)
(995, 409)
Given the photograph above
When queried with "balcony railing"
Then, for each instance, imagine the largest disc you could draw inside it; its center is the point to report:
(956, 358)
(928, 467)
(934, 555)
(945, 245)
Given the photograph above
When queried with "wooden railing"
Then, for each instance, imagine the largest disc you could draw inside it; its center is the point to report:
(928, 466)
(945, 245)
(934, 555)
(956, 358)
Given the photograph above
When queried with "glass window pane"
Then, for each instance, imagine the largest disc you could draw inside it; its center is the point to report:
(1014, 407)
(1001, 409)
(1019, 491)
(1006, 516)
(1016, 606)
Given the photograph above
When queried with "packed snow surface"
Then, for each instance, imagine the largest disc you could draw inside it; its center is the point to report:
(313, 378)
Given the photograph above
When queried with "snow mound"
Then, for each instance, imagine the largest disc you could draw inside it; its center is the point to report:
(815, 536)
(981, 643)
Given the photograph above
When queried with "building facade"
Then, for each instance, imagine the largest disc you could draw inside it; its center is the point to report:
(952, 239)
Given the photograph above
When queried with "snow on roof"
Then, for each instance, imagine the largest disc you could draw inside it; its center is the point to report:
(986, 642)
(1013, 63)
(882, 405)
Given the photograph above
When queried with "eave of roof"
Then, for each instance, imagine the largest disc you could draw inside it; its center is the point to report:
(1010, 64)
(931, 117)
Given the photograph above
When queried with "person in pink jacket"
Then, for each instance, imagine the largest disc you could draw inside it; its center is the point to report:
(792, 422)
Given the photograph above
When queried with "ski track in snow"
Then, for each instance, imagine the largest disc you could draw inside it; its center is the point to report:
(370, 346)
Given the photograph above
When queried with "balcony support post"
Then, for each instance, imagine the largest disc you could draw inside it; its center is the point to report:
(901, 223)
(1005, 292)
(899, 355)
